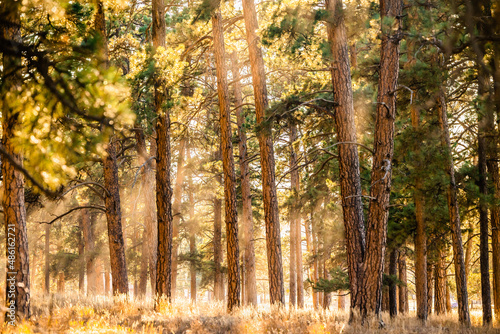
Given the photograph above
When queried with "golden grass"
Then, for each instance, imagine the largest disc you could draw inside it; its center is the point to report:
(76, 314)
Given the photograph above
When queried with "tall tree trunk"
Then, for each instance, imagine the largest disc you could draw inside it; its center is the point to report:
(484, 258)
(403, 289)
(176, 211)
(485, 142)
(47, 260)
(453, 209)
(430, 287)
(111, 182)
(420, 234)
(113, 216)
(349, 175)
(493, 171)
(393, 271)
(231, 218)
(440, 284)
(376, 232)
(90, 257)
(148, 252)
(270, 199)
(247, 219)
(163, 158)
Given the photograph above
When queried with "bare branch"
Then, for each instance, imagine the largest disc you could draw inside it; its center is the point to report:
(97, 207)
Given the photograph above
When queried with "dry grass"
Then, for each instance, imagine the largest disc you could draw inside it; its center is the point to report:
(77, 314)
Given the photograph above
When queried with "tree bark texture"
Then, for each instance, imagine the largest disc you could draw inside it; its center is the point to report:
(440, 284)
(17, 260)
(484, 258)
(376, 228)
(495, 177)
(430, 287)
(270, 199)
(486, 151)
(393, 271)
(111, 182)
(163, 161)
(403, 289)
(114, 218)
(454, 212)
(349, 175)
(493, 171)
(420, 233)
(250, 288)
(231, 216)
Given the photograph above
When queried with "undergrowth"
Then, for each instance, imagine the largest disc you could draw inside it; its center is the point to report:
(76, 314)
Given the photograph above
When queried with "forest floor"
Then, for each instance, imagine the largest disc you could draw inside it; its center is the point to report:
(64, 314)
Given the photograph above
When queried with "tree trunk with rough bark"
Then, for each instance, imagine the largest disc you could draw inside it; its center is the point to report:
(430, 287)
(420, 233)
(493, 170)
(231, 217)
(485, 143)
(393, 271)
(365, 257)
(484, 258)
(349, 175)
(111, 181)
(113, 216)
(440, 284)
(403, 289)
(454, 212)
(270, 199)
(163, 159)
(250, 288)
